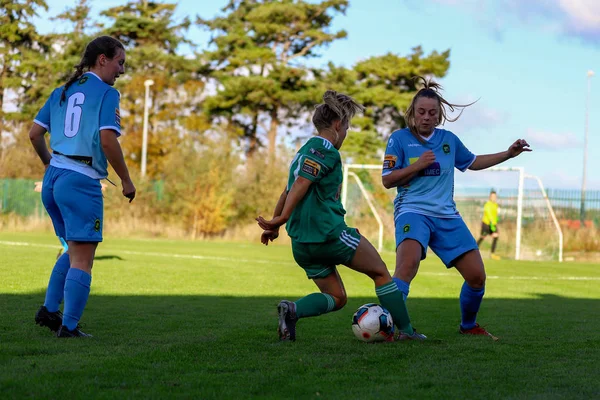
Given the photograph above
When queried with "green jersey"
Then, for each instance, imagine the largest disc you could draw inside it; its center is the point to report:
(320, 214)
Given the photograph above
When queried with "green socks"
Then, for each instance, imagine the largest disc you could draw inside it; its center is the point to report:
(314, 304)
(392, 300)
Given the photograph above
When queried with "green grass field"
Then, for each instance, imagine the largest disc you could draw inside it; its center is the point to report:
(198, 320)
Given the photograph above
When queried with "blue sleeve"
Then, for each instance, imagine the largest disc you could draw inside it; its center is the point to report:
(393, 156)
(463, 158)
(110, 114)
(43, 116)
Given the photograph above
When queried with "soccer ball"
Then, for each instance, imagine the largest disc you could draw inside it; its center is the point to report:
(373, 323)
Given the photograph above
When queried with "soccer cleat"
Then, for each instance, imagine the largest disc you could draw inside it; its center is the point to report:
(495, 257)
(415, 336)
(476, 330)
(53, 320)
(287, 320)
(64, 332)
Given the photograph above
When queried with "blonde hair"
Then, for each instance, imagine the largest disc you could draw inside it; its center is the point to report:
(431, 90)
(335, 106)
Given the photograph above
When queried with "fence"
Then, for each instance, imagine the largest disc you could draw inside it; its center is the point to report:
(18, 196)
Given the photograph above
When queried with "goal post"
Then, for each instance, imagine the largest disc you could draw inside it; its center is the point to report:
(524, 206)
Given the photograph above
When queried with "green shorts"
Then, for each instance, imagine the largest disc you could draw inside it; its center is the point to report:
(319, 259)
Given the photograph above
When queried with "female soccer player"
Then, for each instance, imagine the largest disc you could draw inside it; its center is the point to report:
(311, 207)
(419, 161)
(84, 122)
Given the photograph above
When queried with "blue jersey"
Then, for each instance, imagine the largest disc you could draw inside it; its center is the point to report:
(431, 192)
(74, 125)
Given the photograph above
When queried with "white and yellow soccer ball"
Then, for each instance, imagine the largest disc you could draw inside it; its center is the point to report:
(373, 323)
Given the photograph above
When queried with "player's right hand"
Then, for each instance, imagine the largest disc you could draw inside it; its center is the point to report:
(128, 190)
(426, 159)
(268, 236)
(271, 225)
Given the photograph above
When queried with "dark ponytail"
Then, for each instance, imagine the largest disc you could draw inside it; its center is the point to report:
(101, 45)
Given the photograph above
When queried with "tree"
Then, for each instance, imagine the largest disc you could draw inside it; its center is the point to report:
(152, 37)
(259, 46)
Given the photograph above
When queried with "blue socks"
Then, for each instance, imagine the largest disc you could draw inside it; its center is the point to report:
(77, 290)
(56, 286)
(403, 286)
(470, 300)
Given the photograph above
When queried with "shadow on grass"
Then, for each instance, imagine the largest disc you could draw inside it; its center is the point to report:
(108, 257)
(227, 347)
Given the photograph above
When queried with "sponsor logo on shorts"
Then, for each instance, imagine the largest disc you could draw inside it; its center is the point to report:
(389, 161)
(311, 167)
(406, 228)
(317, 153)
(446, 148)
(97, 225)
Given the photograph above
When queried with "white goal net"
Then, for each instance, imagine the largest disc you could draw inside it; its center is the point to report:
(527, 225)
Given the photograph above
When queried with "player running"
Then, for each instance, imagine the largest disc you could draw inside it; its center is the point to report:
(419, 161)
(310, 205)
(84, 122)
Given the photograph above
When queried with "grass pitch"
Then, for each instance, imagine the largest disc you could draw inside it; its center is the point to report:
(198, 320)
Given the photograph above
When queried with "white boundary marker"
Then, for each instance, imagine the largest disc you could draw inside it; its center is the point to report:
(262, 261)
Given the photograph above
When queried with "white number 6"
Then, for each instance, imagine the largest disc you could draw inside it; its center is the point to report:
(73, 116)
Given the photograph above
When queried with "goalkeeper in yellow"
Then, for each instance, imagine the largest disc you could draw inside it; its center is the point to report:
(489, 223)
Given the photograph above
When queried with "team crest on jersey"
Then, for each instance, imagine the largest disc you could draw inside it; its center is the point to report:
(389, 161)
(311, 168)
(446, 148)
(317, 153)
(83, 79)
(406, 228)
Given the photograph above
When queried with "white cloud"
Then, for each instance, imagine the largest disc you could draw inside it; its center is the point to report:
(476, 117)
(576, 18)
(540, 140)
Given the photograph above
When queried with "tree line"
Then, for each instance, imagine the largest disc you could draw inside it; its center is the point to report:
(219, 110)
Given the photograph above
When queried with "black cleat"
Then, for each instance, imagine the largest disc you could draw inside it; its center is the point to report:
(64, 332)
(53, 320)
(287, 320)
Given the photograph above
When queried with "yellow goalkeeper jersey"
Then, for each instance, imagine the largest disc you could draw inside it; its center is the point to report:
(490, 213)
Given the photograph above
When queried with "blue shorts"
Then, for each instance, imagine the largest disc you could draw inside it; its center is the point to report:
(74, 203)
(449, 238)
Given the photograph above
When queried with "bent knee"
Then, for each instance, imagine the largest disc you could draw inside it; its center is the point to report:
(477, 281)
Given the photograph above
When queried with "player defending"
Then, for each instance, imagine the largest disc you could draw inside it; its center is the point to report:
(84, 123)
(419, 161)
(310, 205)
(489, 223)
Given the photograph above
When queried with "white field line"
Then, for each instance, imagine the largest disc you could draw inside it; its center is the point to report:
(262, 261)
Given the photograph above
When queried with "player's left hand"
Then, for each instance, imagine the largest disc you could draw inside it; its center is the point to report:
(268, 236)
(518, 147)
(271, 225)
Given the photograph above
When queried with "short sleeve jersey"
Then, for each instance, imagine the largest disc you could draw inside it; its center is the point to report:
(74, 124)
(430, 193)
(320, 214)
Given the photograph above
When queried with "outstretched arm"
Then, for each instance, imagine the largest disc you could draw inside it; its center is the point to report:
(489, 160)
